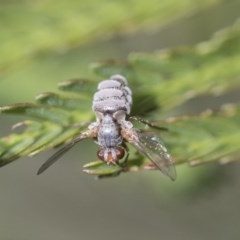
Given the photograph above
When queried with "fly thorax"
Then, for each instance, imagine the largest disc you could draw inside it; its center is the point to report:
(109, 132)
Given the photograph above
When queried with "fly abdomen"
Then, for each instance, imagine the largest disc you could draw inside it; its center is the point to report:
(113, 95)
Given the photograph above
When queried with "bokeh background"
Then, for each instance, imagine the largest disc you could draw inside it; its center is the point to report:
(45, 42)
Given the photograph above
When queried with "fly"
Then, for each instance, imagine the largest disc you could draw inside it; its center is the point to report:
(112, 104)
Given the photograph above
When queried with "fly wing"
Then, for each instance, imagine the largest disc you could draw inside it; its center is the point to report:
(56, 156)
(149, 144)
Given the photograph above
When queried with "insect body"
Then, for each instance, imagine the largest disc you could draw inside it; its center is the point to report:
(112, 105)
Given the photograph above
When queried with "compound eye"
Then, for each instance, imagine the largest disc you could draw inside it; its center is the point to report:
(100, 154)
(120, 152)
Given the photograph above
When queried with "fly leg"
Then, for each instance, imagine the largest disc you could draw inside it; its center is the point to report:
(81, 124)
(146, 122)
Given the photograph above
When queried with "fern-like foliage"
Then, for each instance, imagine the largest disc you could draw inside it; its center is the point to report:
(55, 120)
(160, 82)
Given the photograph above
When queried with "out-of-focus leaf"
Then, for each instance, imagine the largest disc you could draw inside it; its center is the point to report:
(37, 111)
(78, 85)
(69, 103)
(28, 28)
(205, 138)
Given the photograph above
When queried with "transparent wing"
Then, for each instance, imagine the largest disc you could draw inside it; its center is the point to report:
(62, 151)
(149, 144)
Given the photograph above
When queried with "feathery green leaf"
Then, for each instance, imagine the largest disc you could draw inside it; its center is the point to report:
(160, 82)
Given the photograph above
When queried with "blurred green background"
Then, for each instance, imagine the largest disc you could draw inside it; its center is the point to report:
(45, 42)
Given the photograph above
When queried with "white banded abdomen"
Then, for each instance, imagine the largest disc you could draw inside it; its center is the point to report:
(113, 95)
